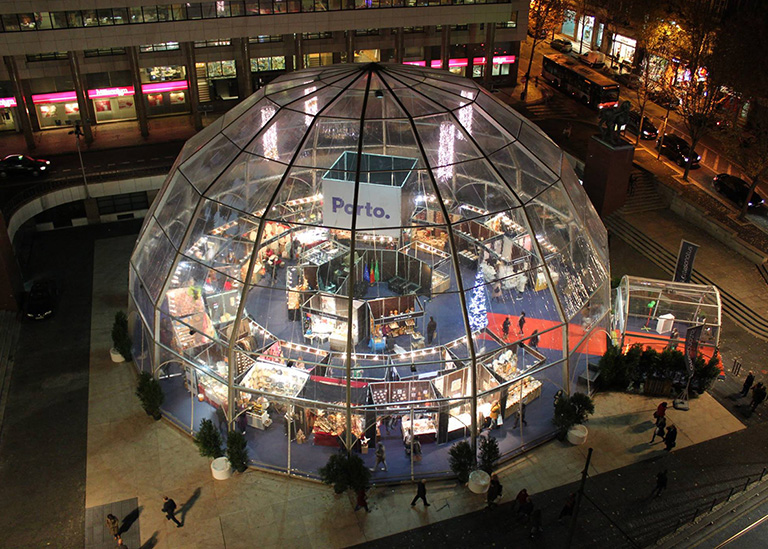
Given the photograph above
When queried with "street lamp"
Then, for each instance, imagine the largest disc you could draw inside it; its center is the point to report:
(78, 132)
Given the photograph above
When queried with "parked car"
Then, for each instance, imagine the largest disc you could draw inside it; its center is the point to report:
(649, 131)
(629, 80)
(736, 189)
(663, 98)
(561, 44)
(41, 300)
(21, 164)
(594, 59)
(678, 150)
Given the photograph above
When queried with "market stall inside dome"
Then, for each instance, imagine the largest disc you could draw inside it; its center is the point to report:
(369, 253)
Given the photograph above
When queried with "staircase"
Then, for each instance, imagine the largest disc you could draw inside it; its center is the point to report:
(643, 197)
(731, 305)
(9, 337)
(203, 90)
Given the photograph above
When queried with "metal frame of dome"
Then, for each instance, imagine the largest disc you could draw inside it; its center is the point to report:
(246, 165)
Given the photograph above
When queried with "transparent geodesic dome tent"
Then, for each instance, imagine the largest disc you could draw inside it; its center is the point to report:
(364, 254)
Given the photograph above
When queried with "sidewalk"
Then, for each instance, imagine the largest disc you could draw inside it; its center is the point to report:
(129, 456)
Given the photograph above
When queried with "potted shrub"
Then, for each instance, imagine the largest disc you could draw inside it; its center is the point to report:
(570, 415)
(121, 341)
(344, 472)
(150, 394)
(461, 458)
(237, 451)
(208, 441)
(489, 453)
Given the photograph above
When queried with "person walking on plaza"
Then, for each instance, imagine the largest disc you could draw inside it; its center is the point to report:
(670, 439)
(747, 384)
(421, 493)
(661, 411)
(658, 430)
(381, 457)
(567, 510)
(114, 526)
(661, 483)
(362, 500)
(431, 329)
(536, 528)
(520, 416)
(520, 499)
(534, 339)
(505, 328)
(169, 508)
(674, 339)
(758, 395)
(521, 322)
(494, 491)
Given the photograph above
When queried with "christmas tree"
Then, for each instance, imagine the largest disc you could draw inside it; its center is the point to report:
(478, 311)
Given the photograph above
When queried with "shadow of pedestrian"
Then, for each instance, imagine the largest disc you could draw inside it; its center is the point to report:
(189, 503)
(129, 519)
(151, 542)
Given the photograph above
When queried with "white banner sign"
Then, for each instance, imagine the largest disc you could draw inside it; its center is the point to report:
(377, 206)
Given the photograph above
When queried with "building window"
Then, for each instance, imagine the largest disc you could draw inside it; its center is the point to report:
(220, 69)
(104, 52)
(316, 35)
(367, 32)
(47, 56)
(211, 43)
(411, 30)
(318, 59)
(511, 24)
(263, 64)
(164, 46)
(263, 38)
(122, 203)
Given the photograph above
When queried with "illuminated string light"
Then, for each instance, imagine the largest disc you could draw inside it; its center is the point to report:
(270, 136)
(445, 151)
(310, 105)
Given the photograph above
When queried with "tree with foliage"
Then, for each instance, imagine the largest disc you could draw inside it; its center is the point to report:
(237, 450)
(572, 410)
(150, 394)
(208, 440)
(345, 471)
(544, 17)
(489, 453)
(461, 459)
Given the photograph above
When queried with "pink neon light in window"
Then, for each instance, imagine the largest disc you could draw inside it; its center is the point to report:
(463, 62)
(110, 92)
(7, 102)
(54, 97)
(164, 87)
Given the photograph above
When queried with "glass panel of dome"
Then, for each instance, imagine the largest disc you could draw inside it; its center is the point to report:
(327, 139)
(382, 105)
(348, 105)
(144, 304)
(221, 238)
(412, 102)
(523, 173)
(179, 404)
(248, 185)
(392, 137)
(504, 116)
(541, 146)
(244, 128)
(449, 96)
(444, 144)
(190, 334)
(200, 139)
(202, 168)
(153, 258)
(531, 401)
(297, 96)
(280, 138)
(246, 104)
(477, 189)
(176, 206)
(487, 134)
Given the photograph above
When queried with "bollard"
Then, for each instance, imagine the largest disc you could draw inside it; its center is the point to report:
(714, 501)
(695, 515)
(678, 524)
(762, 473)
(729, 495)
(745, 485)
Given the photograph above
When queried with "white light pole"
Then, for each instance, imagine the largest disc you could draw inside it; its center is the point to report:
(78, 132)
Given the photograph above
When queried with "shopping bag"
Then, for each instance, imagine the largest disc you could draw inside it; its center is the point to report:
(500, 420)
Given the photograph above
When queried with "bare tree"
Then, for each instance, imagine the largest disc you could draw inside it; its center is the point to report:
(700, 90)
(544, 16)
(749, 149)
